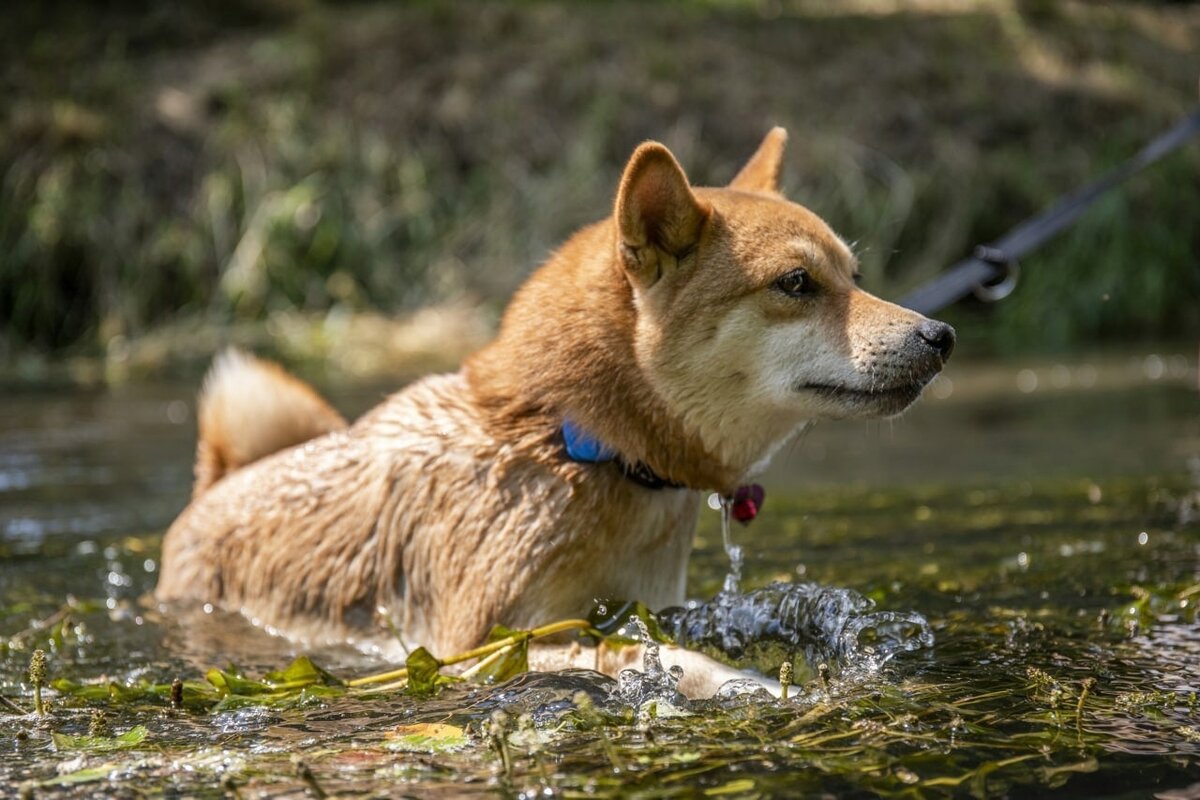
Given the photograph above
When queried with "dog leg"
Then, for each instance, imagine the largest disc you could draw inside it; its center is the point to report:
(702, 676)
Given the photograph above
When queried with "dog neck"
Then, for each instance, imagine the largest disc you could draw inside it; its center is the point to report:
(565, 350)
(582, 448)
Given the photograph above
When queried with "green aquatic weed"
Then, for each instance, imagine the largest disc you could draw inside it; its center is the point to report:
(424, 673)
(427, 737)
(100, 743)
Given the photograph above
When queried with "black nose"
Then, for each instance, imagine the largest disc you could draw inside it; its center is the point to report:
(937, 335)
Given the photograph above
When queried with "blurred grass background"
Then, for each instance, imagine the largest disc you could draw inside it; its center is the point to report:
(297, 175)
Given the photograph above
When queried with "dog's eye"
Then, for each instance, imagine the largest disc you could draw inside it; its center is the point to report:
(796, 283)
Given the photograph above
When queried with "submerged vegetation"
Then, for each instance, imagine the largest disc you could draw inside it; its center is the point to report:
(175, 175)
(1069, 664)
(1050, 539)
(288, 174)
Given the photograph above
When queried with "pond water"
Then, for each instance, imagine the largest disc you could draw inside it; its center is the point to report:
(1045, 519)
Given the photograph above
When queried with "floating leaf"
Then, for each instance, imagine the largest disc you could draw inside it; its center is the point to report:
(300, 672)
(293, 698)
(294, 686)
(229, 681)
(427, 737)
(424, 676)
(88, 775)
(196, 695)
(99, 744)
(506, 663)
(84, 691)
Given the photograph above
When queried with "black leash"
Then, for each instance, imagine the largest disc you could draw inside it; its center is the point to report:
(991, 273)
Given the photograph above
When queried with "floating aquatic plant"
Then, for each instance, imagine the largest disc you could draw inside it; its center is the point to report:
(504, 655)
(100, 742)
(1036, 682)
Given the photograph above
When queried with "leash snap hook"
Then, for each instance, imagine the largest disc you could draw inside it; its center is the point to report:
(1002, 287)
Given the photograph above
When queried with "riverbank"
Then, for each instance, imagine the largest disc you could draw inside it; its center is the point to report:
(164, 169)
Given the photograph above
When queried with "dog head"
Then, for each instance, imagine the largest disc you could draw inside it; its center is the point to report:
(750, 322)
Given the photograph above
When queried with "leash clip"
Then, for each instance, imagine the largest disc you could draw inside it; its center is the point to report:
(999, 289)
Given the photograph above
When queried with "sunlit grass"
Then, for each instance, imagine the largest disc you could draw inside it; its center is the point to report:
(305, 160)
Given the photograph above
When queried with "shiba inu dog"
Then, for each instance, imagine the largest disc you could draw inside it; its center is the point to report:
(664, 352)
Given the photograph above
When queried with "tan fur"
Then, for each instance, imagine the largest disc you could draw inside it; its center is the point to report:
(761, 173)
(451, 506)
(250, 408)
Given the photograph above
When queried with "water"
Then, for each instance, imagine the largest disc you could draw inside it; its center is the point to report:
(733, 578)
(652, 683)
(1038, 520)
(812, 624)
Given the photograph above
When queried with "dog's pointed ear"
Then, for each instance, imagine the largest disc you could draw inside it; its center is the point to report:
(761, 173)
(659, 218)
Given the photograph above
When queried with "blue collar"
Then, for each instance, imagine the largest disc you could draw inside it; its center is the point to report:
(584, 448)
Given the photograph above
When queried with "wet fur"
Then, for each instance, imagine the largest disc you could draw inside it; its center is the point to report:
(450, 507)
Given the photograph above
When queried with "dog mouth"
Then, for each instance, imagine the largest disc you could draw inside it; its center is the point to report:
(882, 400)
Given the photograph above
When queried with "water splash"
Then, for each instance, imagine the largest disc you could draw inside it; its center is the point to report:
(653, 684)
(821, 624)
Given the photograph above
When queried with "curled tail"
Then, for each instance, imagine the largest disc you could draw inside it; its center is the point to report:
(251, 408)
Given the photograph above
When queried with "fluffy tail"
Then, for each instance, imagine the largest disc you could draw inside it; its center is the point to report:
(251, 408)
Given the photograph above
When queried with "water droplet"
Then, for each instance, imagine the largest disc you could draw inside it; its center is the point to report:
(733, 578)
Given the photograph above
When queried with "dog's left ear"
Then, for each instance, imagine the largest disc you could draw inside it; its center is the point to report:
(659, 218)
(761, 173)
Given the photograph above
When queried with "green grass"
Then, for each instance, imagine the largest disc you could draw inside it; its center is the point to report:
(221, 166)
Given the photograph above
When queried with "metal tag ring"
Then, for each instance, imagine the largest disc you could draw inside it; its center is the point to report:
(991, 292)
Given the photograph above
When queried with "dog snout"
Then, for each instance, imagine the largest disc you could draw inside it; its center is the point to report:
(937, 335)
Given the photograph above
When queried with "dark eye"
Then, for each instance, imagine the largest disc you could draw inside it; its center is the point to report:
(796, 284)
